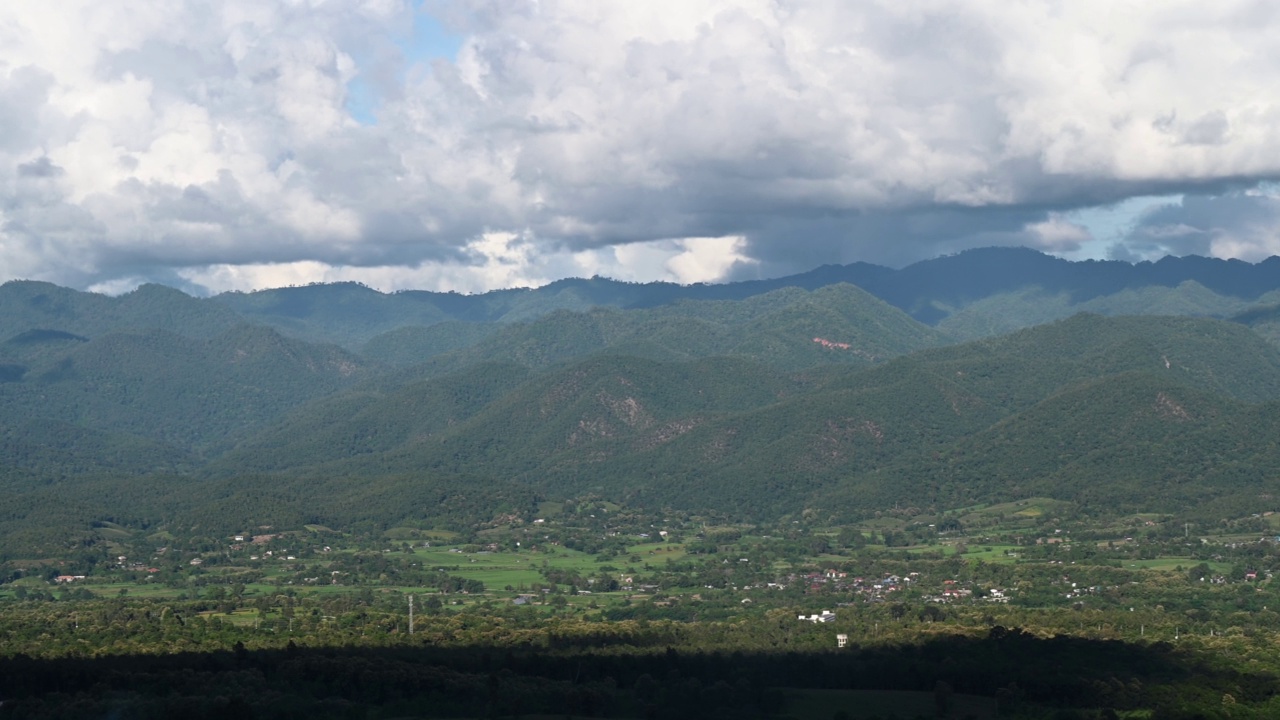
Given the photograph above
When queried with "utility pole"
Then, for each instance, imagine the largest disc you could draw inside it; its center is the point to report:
(410, 614)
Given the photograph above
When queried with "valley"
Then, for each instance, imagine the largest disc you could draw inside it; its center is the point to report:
(595, 582)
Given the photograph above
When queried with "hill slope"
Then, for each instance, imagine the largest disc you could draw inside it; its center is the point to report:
(26, 305)
(788, 328)
(733, 435)
(188, 393)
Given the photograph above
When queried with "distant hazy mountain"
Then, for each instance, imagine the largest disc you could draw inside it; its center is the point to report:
(972, 294)
(1002, 289)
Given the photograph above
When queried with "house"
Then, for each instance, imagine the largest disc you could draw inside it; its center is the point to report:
(825, 616)
(842, 640)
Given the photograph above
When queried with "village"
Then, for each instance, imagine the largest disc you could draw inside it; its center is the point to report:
(614, 564)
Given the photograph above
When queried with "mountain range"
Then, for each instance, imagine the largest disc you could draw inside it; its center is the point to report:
(986, 376)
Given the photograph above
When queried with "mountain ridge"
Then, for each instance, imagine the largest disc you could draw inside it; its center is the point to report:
(931, 291)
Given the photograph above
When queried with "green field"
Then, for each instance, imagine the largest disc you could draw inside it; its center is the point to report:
(1015, 512)
(1176, 564)
(993, 553)
(500, 569)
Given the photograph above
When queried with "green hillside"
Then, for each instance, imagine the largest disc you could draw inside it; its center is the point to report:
(413, 344)
(365, 421)
(1130, 442)
(348, 314)
(1264, 319)
(585, 411)
(731, 434)
(788, 329)
(1221, 356)
(1006, 312)
(189, 393)
(53, 449)
(27, 305)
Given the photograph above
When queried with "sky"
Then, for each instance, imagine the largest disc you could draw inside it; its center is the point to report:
(470, 145)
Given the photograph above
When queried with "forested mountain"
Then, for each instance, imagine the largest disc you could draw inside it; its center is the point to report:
(733, 434)
(189, 393)
(748, 400)
(27, 306)
(930, 288)
(1129, 442)
(51, 449)
(789, 329)
(413, 344)
(1006, 312)
(971, 294)
(1264, 319)
(353, 425)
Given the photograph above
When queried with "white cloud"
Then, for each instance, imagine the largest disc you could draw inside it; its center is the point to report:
(496, 260)
(1058, 235)
(576, 136)
(707, 259)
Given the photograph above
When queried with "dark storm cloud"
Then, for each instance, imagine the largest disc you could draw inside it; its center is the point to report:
(1241, 224)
